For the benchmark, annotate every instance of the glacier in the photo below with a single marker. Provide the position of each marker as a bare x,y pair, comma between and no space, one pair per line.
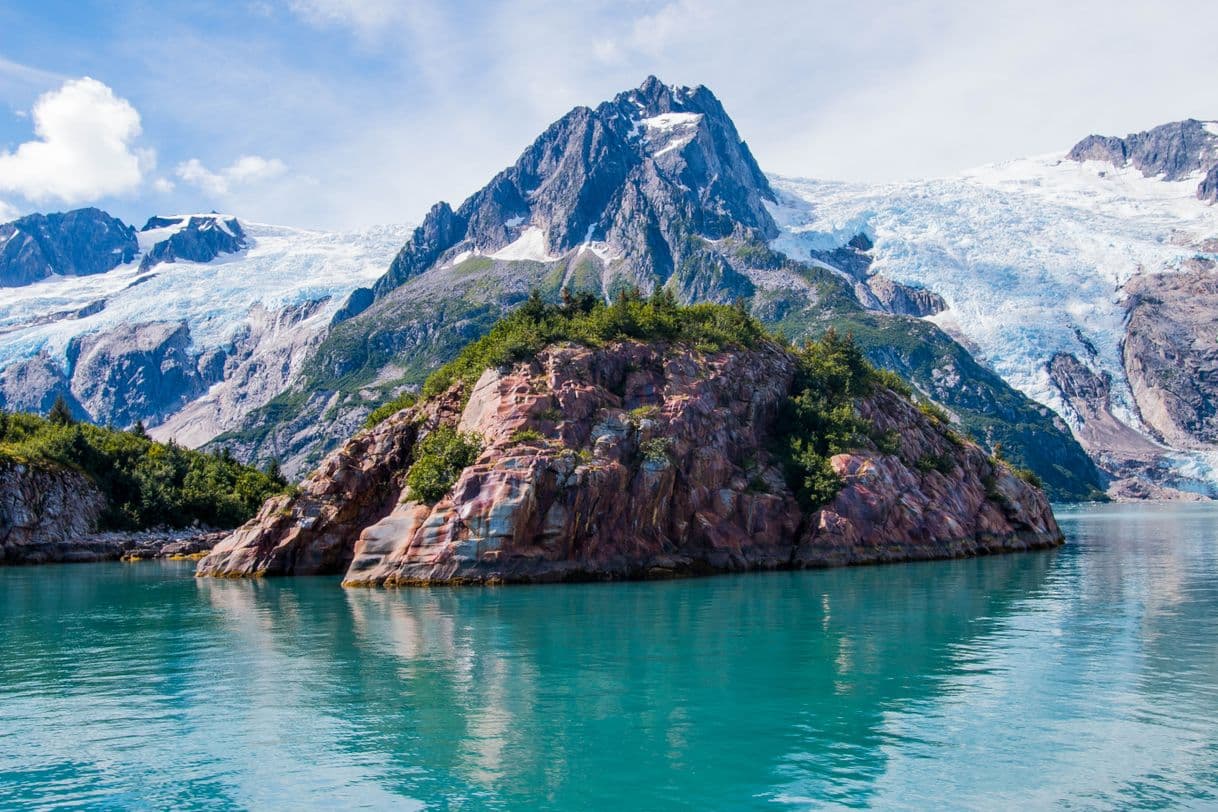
282,267
1030,256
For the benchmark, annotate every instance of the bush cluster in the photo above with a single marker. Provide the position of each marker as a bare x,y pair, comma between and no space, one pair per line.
146,484
819,420
584,319
389,408
440,458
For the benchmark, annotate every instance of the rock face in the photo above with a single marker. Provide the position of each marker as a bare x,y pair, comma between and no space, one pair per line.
138,372
1173,151
633,461
1208,190
194,238
903,300
75,243
1171,353
44,506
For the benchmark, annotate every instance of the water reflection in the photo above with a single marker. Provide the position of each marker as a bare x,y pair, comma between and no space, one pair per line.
1084,676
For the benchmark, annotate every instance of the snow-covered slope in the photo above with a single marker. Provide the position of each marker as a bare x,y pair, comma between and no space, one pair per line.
1034,259
243,320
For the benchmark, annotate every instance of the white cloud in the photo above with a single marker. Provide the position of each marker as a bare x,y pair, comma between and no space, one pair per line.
163,185
85,147
245,170
8,212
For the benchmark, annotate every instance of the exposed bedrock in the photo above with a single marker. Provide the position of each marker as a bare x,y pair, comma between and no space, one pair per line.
634,461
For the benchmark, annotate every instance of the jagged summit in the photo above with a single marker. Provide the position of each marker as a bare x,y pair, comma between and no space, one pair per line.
629,181
1173,151
82,242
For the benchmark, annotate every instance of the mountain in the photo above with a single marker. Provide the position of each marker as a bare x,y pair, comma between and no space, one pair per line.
653,189
1086,279
1182,150
77,243
185,325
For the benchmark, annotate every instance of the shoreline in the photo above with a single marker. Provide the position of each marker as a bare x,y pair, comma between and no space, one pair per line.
140,545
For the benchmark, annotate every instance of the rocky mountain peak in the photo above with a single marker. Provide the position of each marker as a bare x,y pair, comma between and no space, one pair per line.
81,242
1172,151
637,177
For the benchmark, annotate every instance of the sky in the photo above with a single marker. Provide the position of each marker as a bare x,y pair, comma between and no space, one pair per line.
342,114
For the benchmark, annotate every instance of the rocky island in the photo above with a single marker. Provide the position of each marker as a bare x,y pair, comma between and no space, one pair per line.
641,440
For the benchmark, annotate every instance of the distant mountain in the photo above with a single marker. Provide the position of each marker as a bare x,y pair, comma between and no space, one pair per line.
652,189
193,238
77,243
185,325
1182,150
635,187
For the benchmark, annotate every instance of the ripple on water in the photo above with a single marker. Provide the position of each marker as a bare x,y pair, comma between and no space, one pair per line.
1083,677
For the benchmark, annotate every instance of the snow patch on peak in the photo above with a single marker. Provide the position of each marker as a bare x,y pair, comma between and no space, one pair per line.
670,121
151,236
668,132
512,222
1211,127
529,246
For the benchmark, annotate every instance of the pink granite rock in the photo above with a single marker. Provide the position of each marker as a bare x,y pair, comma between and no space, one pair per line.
654,461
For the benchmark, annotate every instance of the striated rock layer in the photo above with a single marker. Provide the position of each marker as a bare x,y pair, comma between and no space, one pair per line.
43,506
634,461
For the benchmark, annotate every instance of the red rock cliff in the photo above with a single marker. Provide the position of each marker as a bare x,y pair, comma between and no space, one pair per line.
652,462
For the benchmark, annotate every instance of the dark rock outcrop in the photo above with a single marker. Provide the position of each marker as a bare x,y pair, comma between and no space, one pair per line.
1208,190
198,238
634,461
75,243
903,300
1171,151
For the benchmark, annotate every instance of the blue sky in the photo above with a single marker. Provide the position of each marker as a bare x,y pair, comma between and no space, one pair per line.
345,113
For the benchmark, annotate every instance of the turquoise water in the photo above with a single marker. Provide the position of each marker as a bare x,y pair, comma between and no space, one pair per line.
1080,678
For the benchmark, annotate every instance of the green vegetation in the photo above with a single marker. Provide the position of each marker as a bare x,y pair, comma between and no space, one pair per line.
527,436
439,460
819,420
935,462
390,408
146,484
935,412
987,408
583,319
656,449
1029,477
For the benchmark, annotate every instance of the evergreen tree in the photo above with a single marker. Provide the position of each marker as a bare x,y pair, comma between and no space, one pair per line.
275,473
139,431
60,414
